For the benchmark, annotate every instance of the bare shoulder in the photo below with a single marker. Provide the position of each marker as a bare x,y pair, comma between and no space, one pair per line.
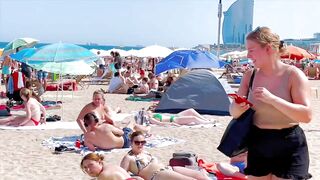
244,86
113,173
296,75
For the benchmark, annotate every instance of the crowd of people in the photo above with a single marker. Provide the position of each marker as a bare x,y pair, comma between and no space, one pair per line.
280,98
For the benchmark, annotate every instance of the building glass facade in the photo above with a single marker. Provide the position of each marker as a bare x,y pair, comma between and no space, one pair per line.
237,22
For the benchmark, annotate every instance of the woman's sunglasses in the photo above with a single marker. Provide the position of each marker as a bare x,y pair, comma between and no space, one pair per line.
140,142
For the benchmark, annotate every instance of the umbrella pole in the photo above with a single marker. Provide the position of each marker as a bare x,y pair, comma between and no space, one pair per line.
61,91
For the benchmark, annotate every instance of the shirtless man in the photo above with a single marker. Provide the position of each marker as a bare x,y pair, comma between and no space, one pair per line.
98,107
106,136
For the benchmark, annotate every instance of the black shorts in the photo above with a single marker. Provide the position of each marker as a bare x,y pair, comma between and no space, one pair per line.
126,137
283,153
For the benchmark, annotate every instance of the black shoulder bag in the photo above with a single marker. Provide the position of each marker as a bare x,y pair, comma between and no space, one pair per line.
235,137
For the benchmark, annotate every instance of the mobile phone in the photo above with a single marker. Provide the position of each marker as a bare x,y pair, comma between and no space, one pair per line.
239,99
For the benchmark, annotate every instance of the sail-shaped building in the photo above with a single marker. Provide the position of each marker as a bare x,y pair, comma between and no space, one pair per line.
237,22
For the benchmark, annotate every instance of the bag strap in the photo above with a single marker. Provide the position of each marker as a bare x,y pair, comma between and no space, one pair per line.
251,81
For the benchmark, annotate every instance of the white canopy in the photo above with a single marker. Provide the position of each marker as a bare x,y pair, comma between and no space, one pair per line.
154,51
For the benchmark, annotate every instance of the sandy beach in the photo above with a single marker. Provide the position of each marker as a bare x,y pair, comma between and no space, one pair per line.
24,157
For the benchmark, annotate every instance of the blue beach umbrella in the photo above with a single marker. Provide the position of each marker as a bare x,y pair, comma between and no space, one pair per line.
317,61
21,55
188,59
60,52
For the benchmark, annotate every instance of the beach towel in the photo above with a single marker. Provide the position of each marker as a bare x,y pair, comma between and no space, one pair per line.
134,98
69,142
46,104
48,125
212,168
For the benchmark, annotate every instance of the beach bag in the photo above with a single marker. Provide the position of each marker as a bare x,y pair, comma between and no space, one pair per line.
235,138
184,159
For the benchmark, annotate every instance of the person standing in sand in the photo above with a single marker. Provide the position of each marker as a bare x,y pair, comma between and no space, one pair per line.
106,136
99,107
93,165
280,94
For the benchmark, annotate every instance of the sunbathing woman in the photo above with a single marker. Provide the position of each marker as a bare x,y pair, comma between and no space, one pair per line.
143,164
186,117
93,165
99,107
35,112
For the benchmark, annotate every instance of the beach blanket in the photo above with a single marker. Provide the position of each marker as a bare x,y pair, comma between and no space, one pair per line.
134,98
48,125
117,117
69,142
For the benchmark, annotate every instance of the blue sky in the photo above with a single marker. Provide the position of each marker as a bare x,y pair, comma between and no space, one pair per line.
183,23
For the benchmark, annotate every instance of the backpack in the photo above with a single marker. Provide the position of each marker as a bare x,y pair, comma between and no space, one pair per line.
184,159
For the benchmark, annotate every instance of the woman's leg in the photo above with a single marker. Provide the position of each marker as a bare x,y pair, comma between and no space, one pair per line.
6,121
191,173
185,120
191,112
168,174
16,121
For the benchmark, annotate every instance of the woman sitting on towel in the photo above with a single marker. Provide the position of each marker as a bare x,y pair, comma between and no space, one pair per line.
143,164
99,107
93,165
186,117
35,112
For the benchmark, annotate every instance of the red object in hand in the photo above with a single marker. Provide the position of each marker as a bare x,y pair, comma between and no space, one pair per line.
78,143
239,99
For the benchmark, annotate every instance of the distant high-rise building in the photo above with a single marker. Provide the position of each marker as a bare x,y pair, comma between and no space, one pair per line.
237,22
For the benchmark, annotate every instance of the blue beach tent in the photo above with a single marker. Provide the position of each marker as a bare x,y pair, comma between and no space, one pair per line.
199,89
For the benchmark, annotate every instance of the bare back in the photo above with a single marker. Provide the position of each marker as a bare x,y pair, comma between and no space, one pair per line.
103,137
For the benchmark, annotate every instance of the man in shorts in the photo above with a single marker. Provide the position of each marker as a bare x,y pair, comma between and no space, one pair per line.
107,136
42,77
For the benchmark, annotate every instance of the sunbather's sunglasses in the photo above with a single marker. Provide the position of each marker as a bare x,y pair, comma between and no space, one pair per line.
140,142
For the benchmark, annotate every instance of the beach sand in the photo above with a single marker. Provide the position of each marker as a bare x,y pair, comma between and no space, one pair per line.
23,157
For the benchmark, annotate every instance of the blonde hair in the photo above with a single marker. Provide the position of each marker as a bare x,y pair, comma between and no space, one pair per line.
93,157
264,36
26,92
99,92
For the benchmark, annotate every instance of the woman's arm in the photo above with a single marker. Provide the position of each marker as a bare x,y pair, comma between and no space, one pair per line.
125,163
236,109
43,113
28,110
80,119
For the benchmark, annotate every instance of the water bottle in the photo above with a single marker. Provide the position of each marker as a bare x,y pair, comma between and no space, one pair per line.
141,117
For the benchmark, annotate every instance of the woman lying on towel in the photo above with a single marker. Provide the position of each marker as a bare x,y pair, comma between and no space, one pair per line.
35,112
99,107
186,117
143,164
93,165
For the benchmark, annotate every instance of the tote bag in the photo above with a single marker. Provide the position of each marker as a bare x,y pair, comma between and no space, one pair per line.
235,137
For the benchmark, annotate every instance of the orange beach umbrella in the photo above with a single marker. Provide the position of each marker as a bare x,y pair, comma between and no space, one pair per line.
297,53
